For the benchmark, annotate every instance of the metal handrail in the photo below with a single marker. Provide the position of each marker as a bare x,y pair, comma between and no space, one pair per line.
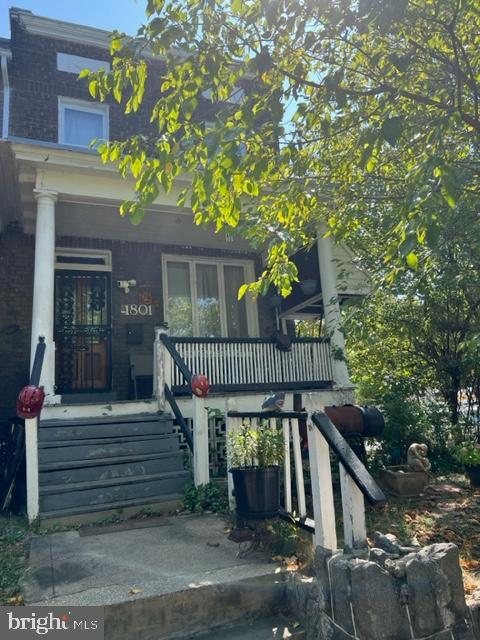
38,361
182,423
353,466
177,358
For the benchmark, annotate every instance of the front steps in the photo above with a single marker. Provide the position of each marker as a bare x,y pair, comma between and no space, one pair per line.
89,465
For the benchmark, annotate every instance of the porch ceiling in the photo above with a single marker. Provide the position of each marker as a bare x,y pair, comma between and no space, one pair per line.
92,220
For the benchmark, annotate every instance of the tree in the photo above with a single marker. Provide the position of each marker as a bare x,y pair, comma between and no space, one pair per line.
363,114
423,335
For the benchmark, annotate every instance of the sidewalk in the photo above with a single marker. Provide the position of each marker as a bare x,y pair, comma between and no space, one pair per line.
176,554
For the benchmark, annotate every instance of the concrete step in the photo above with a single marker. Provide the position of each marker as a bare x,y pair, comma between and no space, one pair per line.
213,605
70,471
114,490
276,628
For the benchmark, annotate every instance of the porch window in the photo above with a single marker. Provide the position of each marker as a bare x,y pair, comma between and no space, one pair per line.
81,122
201,298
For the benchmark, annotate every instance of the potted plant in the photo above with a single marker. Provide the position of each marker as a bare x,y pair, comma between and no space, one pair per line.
468,453
255,455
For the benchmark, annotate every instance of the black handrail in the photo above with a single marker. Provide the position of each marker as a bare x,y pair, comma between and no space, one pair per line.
177,358
182,423
354,467
196,340
38,362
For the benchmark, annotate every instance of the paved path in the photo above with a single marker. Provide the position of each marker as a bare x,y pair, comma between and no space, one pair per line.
179,553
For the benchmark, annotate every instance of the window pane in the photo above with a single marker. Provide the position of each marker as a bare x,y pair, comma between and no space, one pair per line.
237,324
179,310
81,127
208,303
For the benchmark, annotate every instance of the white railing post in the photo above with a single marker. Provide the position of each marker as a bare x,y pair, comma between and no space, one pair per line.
31,448
322,488
297,456
201,468
160,357
286,465
231,424
353,508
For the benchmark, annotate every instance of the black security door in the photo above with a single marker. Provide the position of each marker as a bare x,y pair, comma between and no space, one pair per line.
83,331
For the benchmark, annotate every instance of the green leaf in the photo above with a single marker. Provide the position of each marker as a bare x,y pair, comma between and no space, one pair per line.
412,260
242,291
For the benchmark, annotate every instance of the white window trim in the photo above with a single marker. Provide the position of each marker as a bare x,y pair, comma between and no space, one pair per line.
250,304
69,63
73,253
81,105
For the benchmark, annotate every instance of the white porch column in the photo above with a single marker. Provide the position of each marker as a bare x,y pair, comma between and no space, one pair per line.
43,289
333,319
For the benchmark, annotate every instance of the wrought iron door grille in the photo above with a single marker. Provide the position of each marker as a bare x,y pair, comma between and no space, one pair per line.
83,331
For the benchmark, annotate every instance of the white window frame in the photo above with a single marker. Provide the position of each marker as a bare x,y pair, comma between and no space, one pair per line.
72,253
87,107
219,263
69,63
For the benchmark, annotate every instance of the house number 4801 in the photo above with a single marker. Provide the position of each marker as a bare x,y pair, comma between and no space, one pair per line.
136,309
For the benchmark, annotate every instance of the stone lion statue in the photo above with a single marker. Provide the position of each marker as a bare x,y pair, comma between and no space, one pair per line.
417,457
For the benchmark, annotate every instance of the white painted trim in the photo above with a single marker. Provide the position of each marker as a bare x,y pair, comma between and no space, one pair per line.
51,28
249,271
99,410
69,63
70,252
201,469
87,107
6,97
31,453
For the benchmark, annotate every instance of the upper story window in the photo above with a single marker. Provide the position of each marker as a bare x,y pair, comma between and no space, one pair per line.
74,64
80,122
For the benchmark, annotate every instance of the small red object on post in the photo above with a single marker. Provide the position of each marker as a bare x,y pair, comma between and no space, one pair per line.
30,401
200,385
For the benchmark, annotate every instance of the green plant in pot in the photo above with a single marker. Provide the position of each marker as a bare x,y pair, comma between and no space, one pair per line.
468,453
255,455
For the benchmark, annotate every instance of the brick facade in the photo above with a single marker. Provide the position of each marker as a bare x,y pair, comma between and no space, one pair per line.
36,83
16,281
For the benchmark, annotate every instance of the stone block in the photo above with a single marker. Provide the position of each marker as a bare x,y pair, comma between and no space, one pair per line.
376,599
341,592
435,589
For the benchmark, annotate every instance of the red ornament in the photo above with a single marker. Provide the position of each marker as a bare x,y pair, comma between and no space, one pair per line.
30,401
200,385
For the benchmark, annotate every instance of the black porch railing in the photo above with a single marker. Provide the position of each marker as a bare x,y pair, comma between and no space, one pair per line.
251,364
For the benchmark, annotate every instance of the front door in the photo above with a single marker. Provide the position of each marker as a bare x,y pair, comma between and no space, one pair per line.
82,331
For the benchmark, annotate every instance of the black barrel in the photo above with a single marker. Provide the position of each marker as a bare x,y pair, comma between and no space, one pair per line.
353,420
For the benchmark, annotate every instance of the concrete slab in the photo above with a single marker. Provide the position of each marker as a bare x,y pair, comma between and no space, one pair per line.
180,553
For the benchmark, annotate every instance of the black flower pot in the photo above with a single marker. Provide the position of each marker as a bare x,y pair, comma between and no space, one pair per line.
473,472
257,492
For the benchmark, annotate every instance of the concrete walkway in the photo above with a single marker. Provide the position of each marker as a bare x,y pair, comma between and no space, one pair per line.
116,566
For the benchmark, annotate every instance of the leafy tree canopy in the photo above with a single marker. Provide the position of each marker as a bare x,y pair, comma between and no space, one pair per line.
362,114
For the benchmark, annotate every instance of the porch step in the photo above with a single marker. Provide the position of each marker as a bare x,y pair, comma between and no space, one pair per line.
99,492
105,468
110,508
97,464
106,447
108,427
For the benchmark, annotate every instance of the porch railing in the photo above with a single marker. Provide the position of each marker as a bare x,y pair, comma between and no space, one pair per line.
356,484
248,364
